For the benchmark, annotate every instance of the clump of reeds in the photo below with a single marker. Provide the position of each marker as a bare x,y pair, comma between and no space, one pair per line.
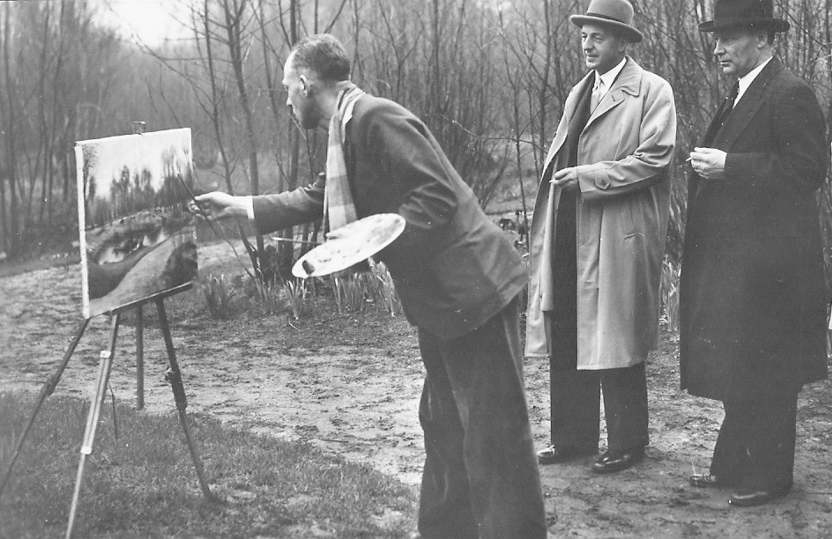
271,297
670,295
384,290
297,292
218,293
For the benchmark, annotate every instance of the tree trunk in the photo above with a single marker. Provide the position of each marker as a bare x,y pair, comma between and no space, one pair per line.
233,20
13,242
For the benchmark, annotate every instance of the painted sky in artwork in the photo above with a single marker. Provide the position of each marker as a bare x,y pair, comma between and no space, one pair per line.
124,151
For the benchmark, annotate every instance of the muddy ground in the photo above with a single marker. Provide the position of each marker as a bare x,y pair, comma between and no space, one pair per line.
350,385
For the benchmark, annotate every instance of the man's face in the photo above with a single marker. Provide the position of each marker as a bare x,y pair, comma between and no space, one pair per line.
301,103
738,50
603,50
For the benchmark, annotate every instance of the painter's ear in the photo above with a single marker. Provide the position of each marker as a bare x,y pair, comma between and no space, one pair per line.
305,85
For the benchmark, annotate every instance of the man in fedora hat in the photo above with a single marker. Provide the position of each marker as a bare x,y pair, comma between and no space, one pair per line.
597,245
753,297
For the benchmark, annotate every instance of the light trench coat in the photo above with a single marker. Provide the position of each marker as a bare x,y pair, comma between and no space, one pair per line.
624,160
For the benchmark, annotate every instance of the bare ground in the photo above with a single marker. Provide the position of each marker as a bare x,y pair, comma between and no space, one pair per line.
350,385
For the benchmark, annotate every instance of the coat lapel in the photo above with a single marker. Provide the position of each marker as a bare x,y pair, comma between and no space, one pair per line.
714,125
569,109
747,107
628,81
737,120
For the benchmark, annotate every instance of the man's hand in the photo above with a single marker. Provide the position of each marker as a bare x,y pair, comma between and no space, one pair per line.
709,163
565,178
219,206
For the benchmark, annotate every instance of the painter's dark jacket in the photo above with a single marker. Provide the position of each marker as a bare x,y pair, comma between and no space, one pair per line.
453,268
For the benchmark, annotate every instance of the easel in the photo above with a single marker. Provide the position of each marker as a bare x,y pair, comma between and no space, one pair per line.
104,367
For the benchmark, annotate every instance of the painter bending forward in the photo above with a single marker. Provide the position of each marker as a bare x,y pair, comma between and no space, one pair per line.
458,277
598,238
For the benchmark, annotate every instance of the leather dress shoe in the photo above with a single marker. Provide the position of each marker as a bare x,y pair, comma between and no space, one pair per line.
750,498
614,461
706,480
554,454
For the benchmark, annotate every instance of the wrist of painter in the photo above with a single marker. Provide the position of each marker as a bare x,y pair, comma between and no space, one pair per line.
223,206
235,206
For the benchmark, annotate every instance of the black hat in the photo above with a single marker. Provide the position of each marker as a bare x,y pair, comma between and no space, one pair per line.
744,13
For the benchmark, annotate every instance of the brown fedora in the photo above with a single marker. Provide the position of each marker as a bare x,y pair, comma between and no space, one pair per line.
617,14
744,13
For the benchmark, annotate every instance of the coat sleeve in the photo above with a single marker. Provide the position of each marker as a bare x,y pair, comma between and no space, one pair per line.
649,162
275,212
798,160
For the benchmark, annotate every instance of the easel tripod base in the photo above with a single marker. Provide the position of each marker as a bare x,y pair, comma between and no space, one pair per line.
174,376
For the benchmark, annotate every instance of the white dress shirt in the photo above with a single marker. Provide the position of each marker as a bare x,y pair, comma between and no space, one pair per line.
604,82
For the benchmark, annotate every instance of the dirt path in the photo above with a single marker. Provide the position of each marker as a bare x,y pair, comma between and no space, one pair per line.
351,385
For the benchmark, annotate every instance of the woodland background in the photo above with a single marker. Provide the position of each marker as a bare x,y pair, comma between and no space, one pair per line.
488,77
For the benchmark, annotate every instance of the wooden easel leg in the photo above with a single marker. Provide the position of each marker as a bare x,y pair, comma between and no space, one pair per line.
174,376
47,389
139,358
104,367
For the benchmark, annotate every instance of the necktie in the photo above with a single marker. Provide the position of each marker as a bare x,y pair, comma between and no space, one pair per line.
721,115
596,94
729,101
732,95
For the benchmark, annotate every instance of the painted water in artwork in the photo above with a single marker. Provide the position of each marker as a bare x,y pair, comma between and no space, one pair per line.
137,238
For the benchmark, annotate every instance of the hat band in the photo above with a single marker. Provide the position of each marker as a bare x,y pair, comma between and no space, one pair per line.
607,17
741,21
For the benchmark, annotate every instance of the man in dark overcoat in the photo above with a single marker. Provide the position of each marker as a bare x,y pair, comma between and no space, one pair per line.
457,275
753,295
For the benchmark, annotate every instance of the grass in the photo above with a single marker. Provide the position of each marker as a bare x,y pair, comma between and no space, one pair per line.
143,484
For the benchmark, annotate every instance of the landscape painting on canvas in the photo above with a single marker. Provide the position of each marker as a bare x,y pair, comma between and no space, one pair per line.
137,237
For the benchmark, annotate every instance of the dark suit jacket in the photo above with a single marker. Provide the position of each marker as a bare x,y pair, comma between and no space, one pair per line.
453,268
753,298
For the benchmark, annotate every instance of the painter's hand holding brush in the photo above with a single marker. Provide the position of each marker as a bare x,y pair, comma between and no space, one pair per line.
218,205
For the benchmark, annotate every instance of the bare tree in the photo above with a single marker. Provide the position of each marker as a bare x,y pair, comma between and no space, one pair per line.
48,81
489,82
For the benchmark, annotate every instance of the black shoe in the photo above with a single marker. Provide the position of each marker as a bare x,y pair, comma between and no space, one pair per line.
706,480
750,498
554,455
614,461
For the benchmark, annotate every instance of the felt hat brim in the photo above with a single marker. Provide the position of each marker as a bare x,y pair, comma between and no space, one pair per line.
775,25
631,33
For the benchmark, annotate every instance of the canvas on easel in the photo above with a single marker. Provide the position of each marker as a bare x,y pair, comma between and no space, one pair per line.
137,246
136,237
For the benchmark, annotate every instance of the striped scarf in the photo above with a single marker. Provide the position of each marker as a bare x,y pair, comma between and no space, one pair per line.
339,208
